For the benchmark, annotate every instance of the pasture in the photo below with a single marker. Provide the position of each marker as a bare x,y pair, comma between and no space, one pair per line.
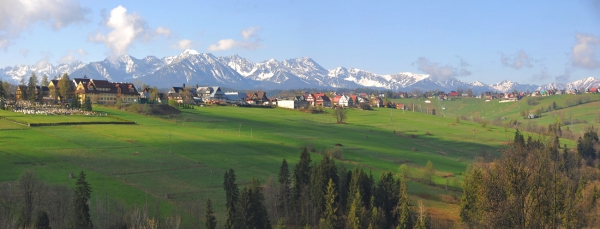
186,156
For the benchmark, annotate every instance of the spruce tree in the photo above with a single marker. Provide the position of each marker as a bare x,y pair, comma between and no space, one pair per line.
330,219
45,81
284,188
42,222
65,86
31,96
470,202
251,207
354,214
280,224
386,197
232,194
81,209
88,104
210,221
2,90
404,217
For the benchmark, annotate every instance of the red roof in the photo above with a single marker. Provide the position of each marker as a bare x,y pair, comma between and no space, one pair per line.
337,99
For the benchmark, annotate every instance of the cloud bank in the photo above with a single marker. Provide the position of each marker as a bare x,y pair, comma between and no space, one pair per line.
439,72
251,41
125,28
586,53
16,16
516,61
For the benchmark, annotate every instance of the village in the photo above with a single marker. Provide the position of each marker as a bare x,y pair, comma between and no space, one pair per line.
85,90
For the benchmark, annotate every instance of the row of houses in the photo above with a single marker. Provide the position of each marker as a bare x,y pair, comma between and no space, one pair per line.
99,91
322,100
214,94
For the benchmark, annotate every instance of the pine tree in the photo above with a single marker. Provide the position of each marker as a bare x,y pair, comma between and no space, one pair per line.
45,81
210,221
31,96
404,217
65,87
251,207
88,104
42,222
81,209
284,188
386,197
302,173
354,213
330,219
232,194
75,102
2,90
471,201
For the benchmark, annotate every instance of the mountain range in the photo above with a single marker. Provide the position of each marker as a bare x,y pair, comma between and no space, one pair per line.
192,67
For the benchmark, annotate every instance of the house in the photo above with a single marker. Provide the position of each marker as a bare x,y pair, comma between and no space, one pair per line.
210,93
183,94
336,100
236,97
105,92
258,97
322,100
345,101
362,100
377,102
593,90
453,94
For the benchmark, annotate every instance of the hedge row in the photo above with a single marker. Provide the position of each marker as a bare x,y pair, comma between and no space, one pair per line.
76,123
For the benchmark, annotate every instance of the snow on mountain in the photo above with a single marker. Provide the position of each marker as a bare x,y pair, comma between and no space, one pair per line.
23,72
582,84
191,67
509,86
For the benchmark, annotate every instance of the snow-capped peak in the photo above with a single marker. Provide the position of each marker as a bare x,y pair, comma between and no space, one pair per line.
190,52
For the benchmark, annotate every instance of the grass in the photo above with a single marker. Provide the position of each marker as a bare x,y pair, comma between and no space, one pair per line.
187,156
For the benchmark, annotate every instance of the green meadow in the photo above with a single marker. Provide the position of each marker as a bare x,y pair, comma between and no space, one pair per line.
187,156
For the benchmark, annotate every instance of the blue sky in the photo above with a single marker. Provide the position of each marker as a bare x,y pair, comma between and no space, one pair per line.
526,41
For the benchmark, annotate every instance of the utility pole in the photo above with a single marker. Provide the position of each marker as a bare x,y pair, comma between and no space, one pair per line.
391,115
239,130
170,151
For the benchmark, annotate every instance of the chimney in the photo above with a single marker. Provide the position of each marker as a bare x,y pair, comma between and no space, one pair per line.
184,86
196,86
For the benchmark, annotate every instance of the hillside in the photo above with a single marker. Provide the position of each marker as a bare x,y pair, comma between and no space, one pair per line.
186,157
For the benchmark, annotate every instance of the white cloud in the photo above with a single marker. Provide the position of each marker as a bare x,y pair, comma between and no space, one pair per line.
439,72
163,31
586,53
516,61
72,56
125,29
17,16
183,44
250,32
81,52
251,41
222,45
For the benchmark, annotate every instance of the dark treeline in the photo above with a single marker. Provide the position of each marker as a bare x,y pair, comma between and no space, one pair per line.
30,203
535,185
323,195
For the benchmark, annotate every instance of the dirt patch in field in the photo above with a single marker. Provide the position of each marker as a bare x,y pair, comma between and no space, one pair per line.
163,110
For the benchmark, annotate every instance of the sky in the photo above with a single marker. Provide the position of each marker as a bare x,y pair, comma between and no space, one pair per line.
533,42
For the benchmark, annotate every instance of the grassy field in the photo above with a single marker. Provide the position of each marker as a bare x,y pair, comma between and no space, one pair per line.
187,156
472,107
